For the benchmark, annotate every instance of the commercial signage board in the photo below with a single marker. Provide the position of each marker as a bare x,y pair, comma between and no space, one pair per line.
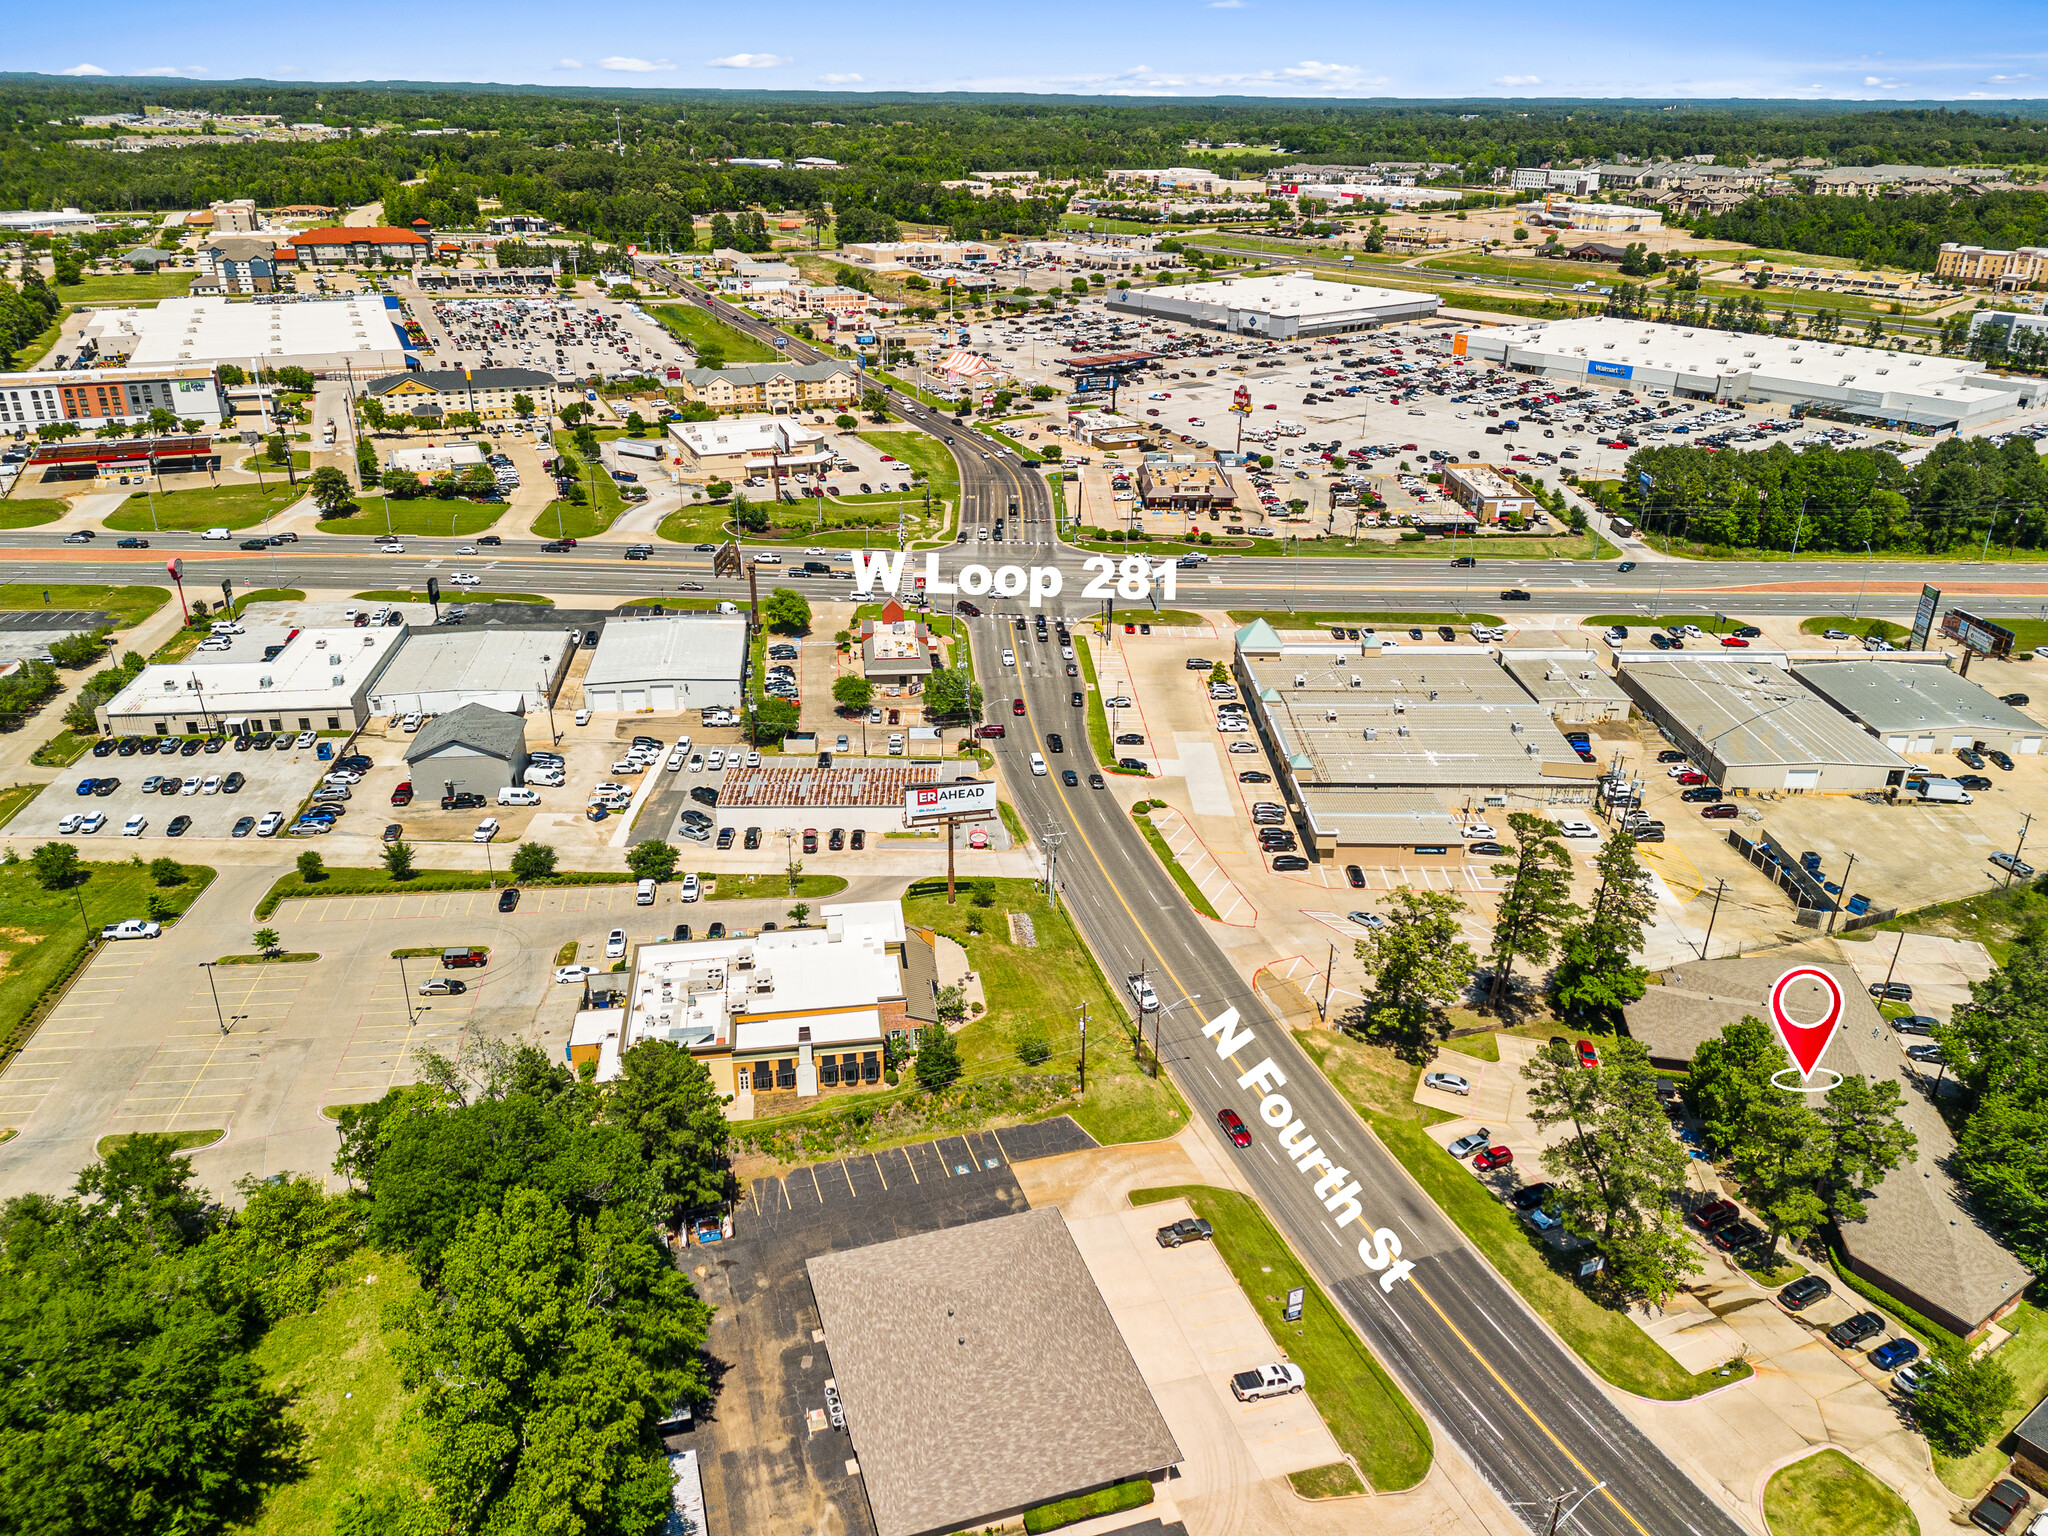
1295,1298
1980,635
1610,370
975,801
1923,617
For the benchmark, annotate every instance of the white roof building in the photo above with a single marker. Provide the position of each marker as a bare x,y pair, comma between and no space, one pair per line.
439,670
1707,364
748,443
322,335
319,681
669,662
1285,305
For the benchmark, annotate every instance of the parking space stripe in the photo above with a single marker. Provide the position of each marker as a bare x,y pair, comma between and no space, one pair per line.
878,1170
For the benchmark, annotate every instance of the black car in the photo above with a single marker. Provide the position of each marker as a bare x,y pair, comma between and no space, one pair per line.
191,747
103,787
1864,1325
682,933
489,538
752,838
104,747
1892,991
1670,755
725,837
1515,595
715,931
1626,566
1077,699
1445,632
179,826
1134,764
1254,776
508,899
244,827
215,743
1749,632
130,745
1703,794
1095,781
461,800
1738,1235
1973,781
1975,760
1804,1292
1530,1196
1999,758
232,784
704,794
2014,699
1488,850
1130,739
1070,778
255,543
1053,742
1290,862
1355,876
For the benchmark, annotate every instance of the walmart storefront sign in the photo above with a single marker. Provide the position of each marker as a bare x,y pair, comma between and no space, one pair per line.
1610,370
1132,579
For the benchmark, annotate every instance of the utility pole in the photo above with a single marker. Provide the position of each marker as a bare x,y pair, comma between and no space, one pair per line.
1837,907
1896,948
1327,973
1084,1048
2016,852
1052,842
1720,886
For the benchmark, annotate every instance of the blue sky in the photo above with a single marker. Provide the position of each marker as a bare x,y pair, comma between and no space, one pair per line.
1884,50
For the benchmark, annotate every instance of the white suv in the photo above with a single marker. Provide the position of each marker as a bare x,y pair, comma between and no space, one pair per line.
1267,1381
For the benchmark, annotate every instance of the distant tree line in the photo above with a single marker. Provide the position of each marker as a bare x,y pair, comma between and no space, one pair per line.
1893,232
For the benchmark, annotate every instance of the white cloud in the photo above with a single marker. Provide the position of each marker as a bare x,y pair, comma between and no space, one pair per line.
1884,85
182,71
568,63
2006,79
635,66
751,61
840,80
83,69
1518,80
1225,5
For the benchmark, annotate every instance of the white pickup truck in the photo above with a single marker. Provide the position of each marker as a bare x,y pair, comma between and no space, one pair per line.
1142,993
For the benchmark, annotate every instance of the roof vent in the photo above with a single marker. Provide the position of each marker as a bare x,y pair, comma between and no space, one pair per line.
1371,734
263,682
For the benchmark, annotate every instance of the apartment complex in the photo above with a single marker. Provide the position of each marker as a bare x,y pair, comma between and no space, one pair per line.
1977,266
336,246
488,392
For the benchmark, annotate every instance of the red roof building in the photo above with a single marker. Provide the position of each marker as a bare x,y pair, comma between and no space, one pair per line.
360,245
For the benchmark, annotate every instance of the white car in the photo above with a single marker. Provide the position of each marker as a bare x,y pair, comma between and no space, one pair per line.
1121,701
1009,658
464,579
1244,746
191,786
1367,919
391,549
1037,766
211,786
714,761
228,627
467,549
1066,653
1142,993
69,824
305,739
218,533
271,821
1576,829
583,717
1267,1381
615,944
133,826
92,821
569,975
696,762
691,890
675,761
485,830
753,758
1479,832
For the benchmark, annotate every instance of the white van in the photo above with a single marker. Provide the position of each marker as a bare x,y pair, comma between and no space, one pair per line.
518,797
643,894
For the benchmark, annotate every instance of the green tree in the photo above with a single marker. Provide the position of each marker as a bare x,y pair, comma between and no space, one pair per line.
287,1241
312,868
665,1100
1864,1141
1619,1173
652,860
266,941
938,1058
533,861
522,405
166,871
1962,1405
774,719
799,914
1597,975
57,866
852,692
1535,904
1419,967
787,610
330,489
951,693
844,422
398,860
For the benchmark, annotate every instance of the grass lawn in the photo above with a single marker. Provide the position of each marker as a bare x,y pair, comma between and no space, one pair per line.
698,328
1827,1494
1884,629
1332,1482
2025,1354
13,798
268,595
345,1394
42,934
129,288
62,749
28,513
1381,1087
125,607
1181,877
601,506
1034,992
1279,618
423,517
925,454
34,353
376,882
181,1141
302,461
1367,1413
753,887
224,506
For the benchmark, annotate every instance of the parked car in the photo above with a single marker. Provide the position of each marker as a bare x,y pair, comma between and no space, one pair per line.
1997,1510
1492,1158
1715,1213
2012,862
1267,1381
442,986
1897,1352
1804,1292
1465,1146
1891,991
1854,1330
1531,1196
1190,1229
1447,1082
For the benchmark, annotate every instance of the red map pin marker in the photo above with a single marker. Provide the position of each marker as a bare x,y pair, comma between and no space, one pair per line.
1806,1042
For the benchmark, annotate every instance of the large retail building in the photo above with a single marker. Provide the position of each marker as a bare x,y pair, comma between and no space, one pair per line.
1286,305
356,332
1701,364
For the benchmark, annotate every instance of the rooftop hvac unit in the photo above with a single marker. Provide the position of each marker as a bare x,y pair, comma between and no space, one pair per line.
319,645
1432,695
170,685
1329,715
1403,730
1400,706
340,681
1357,681
1515,726
1301,679
263,682
1371,734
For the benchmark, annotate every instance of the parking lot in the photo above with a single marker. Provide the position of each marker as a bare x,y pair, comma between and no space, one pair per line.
274,781
573,339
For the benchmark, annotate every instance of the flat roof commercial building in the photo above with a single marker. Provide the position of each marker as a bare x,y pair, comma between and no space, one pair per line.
474,749
946,1344
1489,494
1182,484
733,448
1286,305
1575,686
1706,364
676,661
1752,726
441,669
320,681
894,650
321,335
92,397
1921,706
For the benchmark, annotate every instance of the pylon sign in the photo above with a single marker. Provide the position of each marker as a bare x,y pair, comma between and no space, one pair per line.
1242,399
1805,1041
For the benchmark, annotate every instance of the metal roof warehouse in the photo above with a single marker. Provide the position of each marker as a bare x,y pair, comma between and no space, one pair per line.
1752,726
1920,705
1285,305
686,661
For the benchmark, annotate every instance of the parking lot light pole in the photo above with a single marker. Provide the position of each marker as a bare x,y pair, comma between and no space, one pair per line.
2016,851
207,966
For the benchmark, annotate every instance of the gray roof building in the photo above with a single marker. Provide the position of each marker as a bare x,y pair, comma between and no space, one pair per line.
982,1374
1919,1240
1920,705
674,661
1752,726
482,750
440,669
1389,823
1574,685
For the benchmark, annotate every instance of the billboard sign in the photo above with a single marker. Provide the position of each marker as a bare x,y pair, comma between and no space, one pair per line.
1923,617
1601,370
1980,635
974,801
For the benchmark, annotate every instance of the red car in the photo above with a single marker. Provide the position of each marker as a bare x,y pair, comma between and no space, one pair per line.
403,794
1588,1057
1736,641
1491,1158
1016,706
989,730
1233,1127
1692,778
1725,811
1717,1213
810,839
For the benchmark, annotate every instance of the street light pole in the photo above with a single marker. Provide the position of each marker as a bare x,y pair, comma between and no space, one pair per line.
221,1019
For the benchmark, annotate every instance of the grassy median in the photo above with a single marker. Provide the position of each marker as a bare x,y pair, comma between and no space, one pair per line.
1827,1494
1371,1419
